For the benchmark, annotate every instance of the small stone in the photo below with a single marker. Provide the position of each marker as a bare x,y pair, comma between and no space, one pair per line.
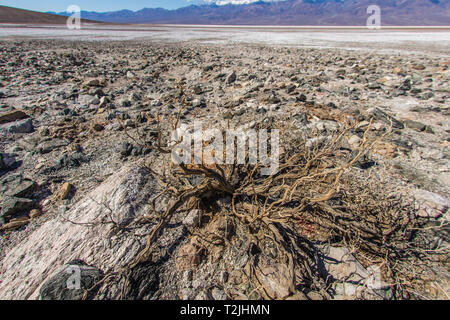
275,277
49,146
378,126
35,213
156,103
406,86
7,161
12,116
135,96
419,67
374,86
95,101
13,205
125,149
190,255
231,78
93,83
22,189
98,127
221,227
103,101
301,117
430,204
131,75
125,103
192,219
291,89
363,125
198,103
415,125
15,224
65,191
302,98
380,115
218,294
198,90
20,126
354,141
44,132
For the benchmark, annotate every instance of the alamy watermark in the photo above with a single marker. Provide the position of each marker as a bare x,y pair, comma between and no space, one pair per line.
74,280
217,147
74,20
374,20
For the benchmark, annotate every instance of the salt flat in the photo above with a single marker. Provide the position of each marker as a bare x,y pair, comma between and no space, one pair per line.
413,39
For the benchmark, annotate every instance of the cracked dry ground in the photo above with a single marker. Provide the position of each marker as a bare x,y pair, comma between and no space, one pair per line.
79,189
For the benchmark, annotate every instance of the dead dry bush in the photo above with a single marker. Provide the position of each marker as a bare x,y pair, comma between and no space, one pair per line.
317,196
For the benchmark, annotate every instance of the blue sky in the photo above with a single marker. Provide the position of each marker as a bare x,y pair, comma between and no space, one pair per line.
96,5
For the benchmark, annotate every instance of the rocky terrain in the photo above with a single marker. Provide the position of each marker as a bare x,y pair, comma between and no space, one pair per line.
84,183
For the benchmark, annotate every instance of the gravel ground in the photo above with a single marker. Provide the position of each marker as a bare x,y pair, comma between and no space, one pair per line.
70,101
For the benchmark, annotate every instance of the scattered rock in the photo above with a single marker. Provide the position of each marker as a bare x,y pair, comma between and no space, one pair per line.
192,219
190,255
34,213
98,127
20,126
337,85
71,282
65,191
430,204
222,228
231,78
12,116
351,279
103,102
13,205
25,187
125,149
380,115
49,146
411,124
131,75
354,141
7,161
93,83
276,278
14,224
2,164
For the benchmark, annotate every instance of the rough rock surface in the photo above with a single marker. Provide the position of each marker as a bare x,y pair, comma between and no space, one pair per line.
84,232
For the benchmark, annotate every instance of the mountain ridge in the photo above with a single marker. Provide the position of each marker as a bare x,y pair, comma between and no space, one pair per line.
288,12
15,15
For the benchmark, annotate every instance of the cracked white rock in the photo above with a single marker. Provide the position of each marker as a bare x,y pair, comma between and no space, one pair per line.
124,196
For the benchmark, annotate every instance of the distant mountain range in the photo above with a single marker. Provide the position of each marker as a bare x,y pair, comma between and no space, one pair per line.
290,12
13,15
282,13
